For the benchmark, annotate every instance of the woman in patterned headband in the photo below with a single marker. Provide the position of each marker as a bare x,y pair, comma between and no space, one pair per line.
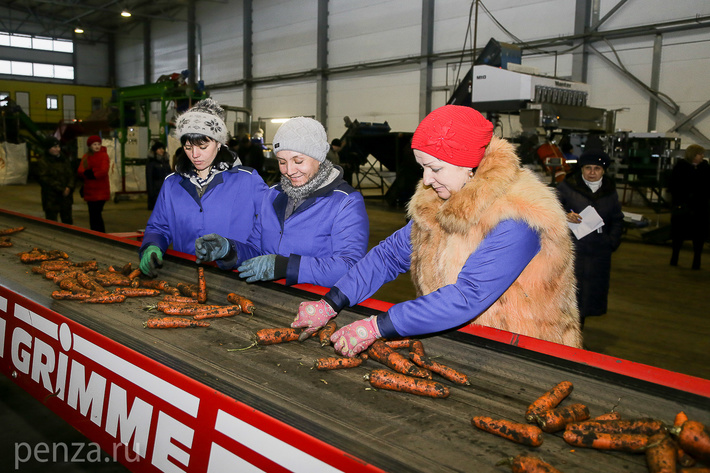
487,243
210,192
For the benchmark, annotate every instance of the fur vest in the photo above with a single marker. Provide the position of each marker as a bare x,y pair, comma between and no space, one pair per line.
541,303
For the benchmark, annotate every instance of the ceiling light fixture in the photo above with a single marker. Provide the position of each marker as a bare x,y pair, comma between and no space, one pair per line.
78,30
125,14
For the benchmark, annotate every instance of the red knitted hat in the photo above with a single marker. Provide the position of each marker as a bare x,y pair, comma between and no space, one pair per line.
93,139
455,134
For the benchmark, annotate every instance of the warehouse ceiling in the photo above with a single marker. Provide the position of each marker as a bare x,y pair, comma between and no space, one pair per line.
100,19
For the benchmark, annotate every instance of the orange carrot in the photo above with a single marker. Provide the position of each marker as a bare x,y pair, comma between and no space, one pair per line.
70,296
5,242
71,284
10,231
683,458
136,291
399,344
89,283
246,305
634,443
697,469
326,332
694,439
556,419
189,290
201,285
336,362
55,265
188,309
386,379
105,299
184,299
174,322
525,434
271,336
525,463
645,426
661,454
224,311
134,274
549,400
417,347
613,415
440,369
380,352
152,284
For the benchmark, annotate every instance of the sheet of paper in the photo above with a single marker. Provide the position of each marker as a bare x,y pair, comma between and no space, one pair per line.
591,221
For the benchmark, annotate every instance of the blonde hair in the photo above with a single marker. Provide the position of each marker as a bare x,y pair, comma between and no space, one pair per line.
692,151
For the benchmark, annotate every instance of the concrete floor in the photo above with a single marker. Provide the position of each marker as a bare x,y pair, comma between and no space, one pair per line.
658,314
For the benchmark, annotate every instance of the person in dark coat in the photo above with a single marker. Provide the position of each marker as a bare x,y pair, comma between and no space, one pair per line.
251,154
94,171
589,186
156,170
690,193
56,179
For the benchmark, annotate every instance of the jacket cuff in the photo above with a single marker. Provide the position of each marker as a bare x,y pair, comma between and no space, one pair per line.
292,269
336,299
385,326
230,259
281,266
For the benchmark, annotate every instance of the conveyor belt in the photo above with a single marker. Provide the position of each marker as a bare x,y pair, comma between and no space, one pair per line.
392,431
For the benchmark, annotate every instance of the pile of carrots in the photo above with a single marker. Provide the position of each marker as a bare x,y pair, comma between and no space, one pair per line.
411,373
666,449
5,241
87,283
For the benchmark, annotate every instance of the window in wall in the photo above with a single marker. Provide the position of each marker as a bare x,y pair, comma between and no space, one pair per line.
36,42
69,107
97,103
36,69
4,97
52,102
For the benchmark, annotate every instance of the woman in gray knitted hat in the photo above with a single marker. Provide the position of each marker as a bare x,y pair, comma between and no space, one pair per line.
312,226
208,192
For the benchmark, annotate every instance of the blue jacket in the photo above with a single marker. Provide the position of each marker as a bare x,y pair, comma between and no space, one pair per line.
324,237
228,207
512,244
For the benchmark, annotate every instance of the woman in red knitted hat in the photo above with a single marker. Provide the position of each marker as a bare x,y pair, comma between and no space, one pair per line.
93,170
487,243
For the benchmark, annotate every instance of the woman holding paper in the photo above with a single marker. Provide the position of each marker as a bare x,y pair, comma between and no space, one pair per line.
590,192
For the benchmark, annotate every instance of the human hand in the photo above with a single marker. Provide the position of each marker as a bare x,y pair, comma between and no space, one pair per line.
66,192
211,247
151,259
356,337
573,217
312,316
259,268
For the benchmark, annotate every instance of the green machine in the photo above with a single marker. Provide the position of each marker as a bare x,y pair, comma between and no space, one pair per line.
134,107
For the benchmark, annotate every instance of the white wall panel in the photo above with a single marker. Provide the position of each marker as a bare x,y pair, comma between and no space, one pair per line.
643,12
378,97
283,101
169,46
221,26
95,71
284,36
373,30
129,59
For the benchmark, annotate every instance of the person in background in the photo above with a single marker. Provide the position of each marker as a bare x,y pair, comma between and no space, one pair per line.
690,196
487,243
209,192
156,170
57,179
335,146
312,226
96,189
589,186
251,153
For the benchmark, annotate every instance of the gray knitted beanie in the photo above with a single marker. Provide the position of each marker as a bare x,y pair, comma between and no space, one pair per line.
303,135
206,117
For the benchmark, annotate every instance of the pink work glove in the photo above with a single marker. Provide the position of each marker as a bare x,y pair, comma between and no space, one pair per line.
356,337
312,316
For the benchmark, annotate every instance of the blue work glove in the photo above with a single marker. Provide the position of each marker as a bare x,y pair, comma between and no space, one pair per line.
151,259
211,248
312,316
356,337
259,268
